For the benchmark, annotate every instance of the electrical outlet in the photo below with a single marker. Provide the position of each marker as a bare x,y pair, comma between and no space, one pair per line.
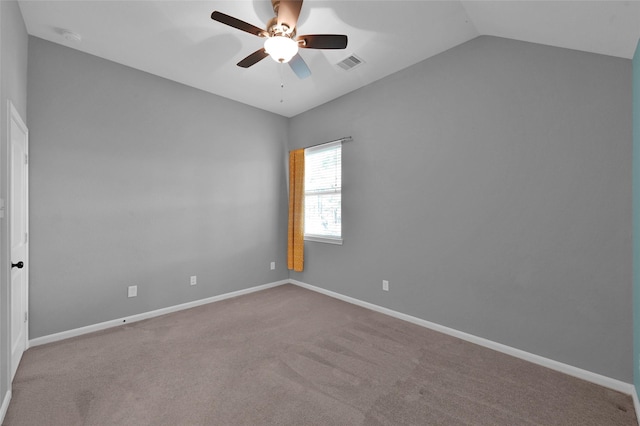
385,285
194,280
273,266
132,291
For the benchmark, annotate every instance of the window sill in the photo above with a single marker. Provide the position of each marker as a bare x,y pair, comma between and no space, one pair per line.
337,241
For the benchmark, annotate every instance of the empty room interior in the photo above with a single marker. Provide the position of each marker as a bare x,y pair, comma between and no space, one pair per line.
169,254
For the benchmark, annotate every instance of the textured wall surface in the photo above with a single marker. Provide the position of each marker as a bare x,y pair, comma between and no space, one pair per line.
137,180
491,185
636,218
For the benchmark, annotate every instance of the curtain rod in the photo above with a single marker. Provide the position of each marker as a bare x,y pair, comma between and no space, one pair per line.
344,139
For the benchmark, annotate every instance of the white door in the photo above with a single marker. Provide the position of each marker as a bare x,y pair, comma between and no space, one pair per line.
18,236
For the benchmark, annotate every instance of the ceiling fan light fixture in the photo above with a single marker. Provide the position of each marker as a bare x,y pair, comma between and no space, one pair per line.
281,48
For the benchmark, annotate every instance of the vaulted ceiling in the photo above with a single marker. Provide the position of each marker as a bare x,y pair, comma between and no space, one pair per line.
179,41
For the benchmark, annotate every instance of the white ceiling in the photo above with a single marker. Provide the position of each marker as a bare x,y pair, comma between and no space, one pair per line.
179,41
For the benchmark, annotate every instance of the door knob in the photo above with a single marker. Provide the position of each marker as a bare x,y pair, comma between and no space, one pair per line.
18,265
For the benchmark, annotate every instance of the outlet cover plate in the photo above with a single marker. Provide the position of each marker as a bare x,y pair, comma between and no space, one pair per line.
132,291
194,280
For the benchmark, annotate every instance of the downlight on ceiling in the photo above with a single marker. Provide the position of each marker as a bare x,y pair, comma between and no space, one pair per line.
281,48
71,36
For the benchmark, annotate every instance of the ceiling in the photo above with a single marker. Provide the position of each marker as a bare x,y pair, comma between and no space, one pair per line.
178,40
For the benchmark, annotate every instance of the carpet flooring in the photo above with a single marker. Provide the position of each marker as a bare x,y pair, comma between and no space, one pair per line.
290,356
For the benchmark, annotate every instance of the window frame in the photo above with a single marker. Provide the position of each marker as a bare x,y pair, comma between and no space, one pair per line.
325,238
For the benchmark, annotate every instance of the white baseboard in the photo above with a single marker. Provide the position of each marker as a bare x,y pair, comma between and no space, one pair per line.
145,315
589,376
5,405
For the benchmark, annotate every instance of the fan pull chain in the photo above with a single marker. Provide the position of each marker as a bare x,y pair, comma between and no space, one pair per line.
280,66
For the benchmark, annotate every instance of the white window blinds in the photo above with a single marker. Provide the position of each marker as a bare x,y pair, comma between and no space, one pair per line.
323,192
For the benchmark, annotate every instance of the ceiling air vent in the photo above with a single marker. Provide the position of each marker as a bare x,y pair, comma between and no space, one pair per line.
350,63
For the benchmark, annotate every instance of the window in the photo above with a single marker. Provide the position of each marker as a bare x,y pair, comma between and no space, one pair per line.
323,193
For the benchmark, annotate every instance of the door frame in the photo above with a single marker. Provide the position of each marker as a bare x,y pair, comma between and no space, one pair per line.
14,116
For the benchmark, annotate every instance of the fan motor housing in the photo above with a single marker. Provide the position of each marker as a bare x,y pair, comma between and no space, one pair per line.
276,5
279,30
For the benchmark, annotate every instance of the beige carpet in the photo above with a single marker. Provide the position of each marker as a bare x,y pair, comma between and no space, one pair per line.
289,356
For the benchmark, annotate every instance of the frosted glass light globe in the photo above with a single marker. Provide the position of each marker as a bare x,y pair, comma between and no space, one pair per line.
281,49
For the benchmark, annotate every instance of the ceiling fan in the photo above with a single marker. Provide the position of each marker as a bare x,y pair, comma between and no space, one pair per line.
281,42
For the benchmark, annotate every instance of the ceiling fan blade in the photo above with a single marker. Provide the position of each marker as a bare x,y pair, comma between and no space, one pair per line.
236,23
323,41
254,58
288,12
299,67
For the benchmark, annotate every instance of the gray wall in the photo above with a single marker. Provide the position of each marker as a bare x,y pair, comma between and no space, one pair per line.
491,185
139,180
13,87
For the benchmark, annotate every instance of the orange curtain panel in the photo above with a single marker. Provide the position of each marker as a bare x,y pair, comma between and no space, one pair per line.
295,250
